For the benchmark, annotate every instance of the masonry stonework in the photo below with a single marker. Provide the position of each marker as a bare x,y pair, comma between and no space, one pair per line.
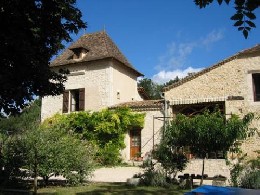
101,80
233,78
213,167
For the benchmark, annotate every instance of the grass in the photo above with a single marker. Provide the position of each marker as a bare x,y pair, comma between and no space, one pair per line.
105,189
109,188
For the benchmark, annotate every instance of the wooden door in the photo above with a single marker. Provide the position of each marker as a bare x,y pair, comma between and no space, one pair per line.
135,142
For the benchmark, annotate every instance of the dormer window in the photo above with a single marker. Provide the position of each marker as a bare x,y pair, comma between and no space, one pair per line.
78,52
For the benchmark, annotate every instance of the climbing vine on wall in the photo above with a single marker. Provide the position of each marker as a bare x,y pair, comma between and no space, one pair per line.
105,129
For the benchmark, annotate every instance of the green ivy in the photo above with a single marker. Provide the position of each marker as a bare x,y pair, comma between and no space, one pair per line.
105,129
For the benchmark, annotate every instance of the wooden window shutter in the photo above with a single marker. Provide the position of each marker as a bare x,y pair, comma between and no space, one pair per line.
81,99
65,105
254,87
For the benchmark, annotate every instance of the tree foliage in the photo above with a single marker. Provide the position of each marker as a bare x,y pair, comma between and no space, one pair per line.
206,133
32,31
244,16
105,129
151,88
47,152
154,89
29,117
172,159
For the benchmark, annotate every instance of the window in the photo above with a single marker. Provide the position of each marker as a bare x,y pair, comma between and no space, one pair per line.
256,86
78,53
73,100
118,95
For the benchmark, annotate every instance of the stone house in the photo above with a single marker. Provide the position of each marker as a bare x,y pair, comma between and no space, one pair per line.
233,84
101,77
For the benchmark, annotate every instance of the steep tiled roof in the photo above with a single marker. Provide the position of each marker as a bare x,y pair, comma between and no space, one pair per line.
143,93
141,105
99,46
243,53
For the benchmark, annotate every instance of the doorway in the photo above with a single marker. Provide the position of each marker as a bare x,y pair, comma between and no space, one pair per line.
135,143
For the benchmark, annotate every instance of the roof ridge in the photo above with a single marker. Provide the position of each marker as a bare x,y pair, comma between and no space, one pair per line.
99,45
105,39
216,65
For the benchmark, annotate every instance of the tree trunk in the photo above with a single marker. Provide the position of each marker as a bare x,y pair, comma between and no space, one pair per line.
35,182
46,180
202,174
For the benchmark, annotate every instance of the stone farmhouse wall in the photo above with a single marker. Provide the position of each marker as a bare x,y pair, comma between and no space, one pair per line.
213,167
124,82
102,81
233,78
151,126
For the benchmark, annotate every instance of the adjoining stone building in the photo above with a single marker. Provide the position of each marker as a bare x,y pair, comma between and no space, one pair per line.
233,84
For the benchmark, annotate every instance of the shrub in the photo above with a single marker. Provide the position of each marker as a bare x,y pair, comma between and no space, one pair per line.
251,180
105,129
235,173
109,155
153,176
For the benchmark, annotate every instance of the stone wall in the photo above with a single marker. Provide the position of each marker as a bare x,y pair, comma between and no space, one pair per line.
93,76
148,140
124,83
101,79
151,126
233,78
212,167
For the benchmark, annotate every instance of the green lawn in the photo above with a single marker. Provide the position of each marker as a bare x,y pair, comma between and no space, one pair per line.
109,188
106,189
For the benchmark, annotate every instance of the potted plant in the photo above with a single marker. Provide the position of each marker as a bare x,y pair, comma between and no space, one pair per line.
138,156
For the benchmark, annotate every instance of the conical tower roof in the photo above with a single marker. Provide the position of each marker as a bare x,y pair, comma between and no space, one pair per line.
98,46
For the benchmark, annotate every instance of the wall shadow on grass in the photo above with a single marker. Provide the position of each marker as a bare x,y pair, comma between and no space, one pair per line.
122,188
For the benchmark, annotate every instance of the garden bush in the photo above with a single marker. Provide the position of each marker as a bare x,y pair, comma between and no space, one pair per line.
251,180
105,129
153,176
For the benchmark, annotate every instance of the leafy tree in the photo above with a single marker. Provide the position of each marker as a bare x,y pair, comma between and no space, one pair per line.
171,159
47,152
30,116
207,133
244,16
154,89
12,127
151,88
170,82
32,31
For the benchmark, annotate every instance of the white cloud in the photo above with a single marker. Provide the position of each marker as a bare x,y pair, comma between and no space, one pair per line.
164,76
176,58
177,54
212,37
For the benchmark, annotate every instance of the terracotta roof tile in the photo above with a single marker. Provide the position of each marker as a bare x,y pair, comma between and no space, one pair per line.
137,105
143,93
99,46
243,53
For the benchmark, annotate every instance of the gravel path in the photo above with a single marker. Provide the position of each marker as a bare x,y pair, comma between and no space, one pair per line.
114,174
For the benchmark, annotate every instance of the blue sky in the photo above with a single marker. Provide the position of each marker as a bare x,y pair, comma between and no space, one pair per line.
166,38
